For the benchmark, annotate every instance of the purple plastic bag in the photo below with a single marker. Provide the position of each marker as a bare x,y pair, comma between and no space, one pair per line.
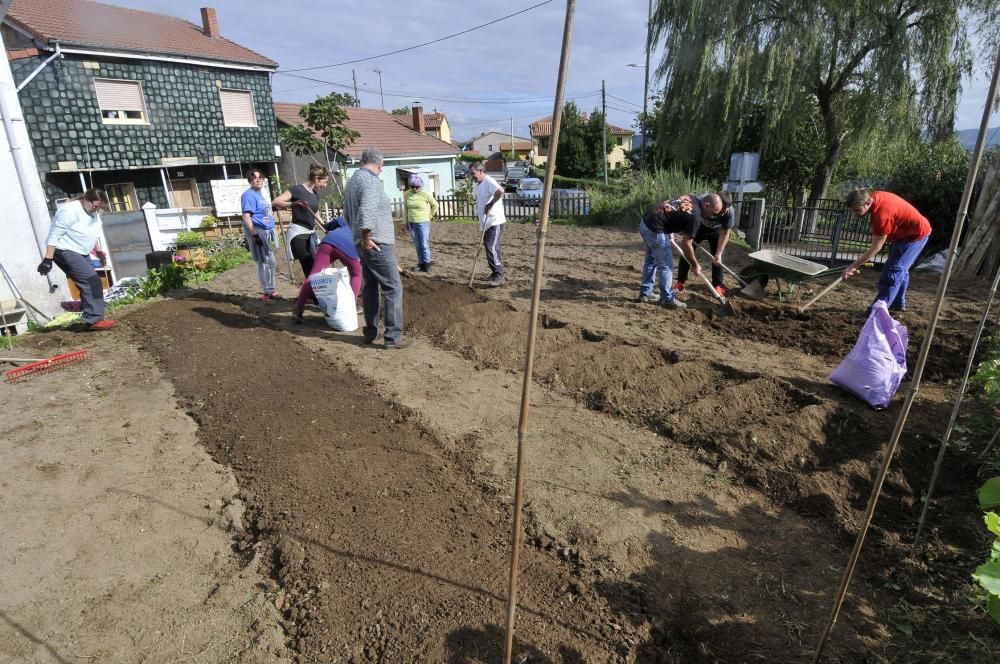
876,365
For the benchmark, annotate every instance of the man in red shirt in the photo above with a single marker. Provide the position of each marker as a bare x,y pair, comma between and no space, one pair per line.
895,220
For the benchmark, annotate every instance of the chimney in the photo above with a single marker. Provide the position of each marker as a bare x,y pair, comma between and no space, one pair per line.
418,117
210,25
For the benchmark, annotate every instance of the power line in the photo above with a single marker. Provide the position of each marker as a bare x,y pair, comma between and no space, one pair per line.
410,48
625,100
452,100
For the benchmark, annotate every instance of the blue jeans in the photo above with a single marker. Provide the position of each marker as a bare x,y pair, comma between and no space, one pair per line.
659,263
896,273
420,233
381,282
264,257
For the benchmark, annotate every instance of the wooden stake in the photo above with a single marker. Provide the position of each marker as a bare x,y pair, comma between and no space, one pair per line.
918,371
522,424
955,409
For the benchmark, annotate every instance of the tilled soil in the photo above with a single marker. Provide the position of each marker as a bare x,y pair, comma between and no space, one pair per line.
390,544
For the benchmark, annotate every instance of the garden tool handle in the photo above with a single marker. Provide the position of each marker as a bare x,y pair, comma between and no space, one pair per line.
723,266
708,282
833,284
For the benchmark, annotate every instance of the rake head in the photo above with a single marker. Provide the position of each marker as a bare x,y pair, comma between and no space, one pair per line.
44,366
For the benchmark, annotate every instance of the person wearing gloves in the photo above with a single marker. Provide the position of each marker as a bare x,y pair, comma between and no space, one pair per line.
258,227
489,210
75,233
421,206
303,199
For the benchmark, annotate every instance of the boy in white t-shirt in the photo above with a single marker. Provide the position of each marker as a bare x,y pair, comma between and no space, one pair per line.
489,210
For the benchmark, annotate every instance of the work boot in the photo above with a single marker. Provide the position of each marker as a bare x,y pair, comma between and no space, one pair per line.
402,344
496,280
427,267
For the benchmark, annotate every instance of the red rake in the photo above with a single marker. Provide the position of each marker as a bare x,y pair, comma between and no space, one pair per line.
41,366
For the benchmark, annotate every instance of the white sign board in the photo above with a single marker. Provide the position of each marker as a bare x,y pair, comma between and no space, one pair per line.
744,165
226,195
748,187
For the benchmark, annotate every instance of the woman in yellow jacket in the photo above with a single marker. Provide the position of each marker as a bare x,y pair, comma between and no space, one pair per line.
420,209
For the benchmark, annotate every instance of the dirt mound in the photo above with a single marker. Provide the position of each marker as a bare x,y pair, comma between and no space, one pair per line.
813,449
384,547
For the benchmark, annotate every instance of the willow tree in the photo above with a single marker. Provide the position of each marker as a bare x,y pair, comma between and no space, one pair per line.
862,64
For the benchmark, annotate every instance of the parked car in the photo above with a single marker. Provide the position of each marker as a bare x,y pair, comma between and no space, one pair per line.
513,176
529,192
461,170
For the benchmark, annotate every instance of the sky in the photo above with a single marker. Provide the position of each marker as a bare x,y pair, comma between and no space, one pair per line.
481,79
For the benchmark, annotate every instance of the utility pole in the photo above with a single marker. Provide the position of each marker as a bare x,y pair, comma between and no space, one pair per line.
357,99
604,132
381,96
645,88
513,153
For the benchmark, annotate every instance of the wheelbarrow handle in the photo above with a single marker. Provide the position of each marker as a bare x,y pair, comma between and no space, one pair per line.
833,284
723,266
711,288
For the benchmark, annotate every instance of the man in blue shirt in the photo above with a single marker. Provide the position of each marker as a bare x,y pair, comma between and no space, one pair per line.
258,227
75,232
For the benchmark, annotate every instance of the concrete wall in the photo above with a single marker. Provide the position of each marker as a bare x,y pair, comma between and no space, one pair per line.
19,250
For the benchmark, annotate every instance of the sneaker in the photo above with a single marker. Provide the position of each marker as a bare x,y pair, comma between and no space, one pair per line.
101,325
673,304
679,286
427,268
277,296
408,342
721,290
643,299
266,297
496,280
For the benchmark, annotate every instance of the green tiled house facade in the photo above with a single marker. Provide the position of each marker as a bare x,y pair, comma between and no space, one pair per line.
183,132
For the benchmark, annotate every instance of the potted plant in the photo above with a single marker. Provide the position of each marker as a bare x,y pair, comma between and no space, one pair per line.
209,227
185,242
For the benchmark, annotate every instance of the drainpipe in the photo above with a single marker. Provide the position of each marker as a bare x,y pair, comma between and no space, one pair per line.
39,222
39,68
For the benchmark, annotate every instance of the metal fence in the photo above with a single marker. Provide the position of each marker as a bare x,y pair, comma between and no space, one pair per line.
826,232
565,203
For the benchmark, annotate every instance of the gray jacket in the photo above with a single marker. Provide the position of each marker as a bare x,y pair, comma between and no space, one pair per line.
367,207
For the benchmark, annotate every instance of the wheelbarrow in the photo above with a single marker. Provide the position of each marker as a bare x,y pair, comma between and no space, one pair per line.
782,267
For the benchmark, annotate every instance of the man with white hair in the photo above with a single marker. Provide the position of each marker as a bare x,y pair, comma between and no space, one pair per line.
369,214
716,219
489,209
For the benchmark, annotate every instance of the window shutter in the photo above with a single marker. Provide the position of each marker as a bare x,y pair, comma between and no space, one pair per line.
119,95
237,108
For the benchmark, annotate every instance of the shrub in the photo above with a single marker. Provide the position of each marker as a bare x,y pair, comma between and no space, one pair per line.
470,157
208,222
625,201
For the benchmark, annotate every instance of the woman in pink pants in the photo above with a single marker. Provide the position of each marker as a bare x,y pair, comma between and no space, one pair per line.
338,244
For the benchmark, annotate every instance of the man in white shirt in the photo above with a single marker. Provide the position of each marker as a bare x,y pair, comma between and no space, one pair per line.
75,232
489,210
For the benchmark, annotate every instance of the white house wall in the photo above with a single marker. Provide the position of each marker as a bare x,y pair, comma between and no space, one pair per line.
442,167
19,251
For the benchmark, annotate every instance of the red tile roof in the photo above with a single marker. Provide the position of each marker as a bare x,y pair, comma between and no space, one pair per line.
543,127
524,146
389,133
97,25
22,53
431,120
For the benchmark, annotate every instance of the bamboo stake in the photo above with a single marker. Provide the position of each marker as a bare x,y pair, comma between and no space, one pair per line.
522,425
919,369
954,411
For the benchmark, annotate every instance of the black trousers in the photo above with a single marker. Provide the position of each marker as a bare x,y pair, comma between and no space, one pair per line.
712,235
78,268
302,251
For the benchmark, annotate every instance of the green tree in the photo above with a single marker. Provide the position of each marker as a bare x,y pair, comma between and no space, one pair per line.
402,110
574,159
325,128
859,65
598,149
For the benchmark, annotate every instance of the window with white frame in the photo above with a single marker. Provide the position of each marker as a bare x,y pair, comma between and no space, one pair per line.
619,140
121,197
237,108
121,102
